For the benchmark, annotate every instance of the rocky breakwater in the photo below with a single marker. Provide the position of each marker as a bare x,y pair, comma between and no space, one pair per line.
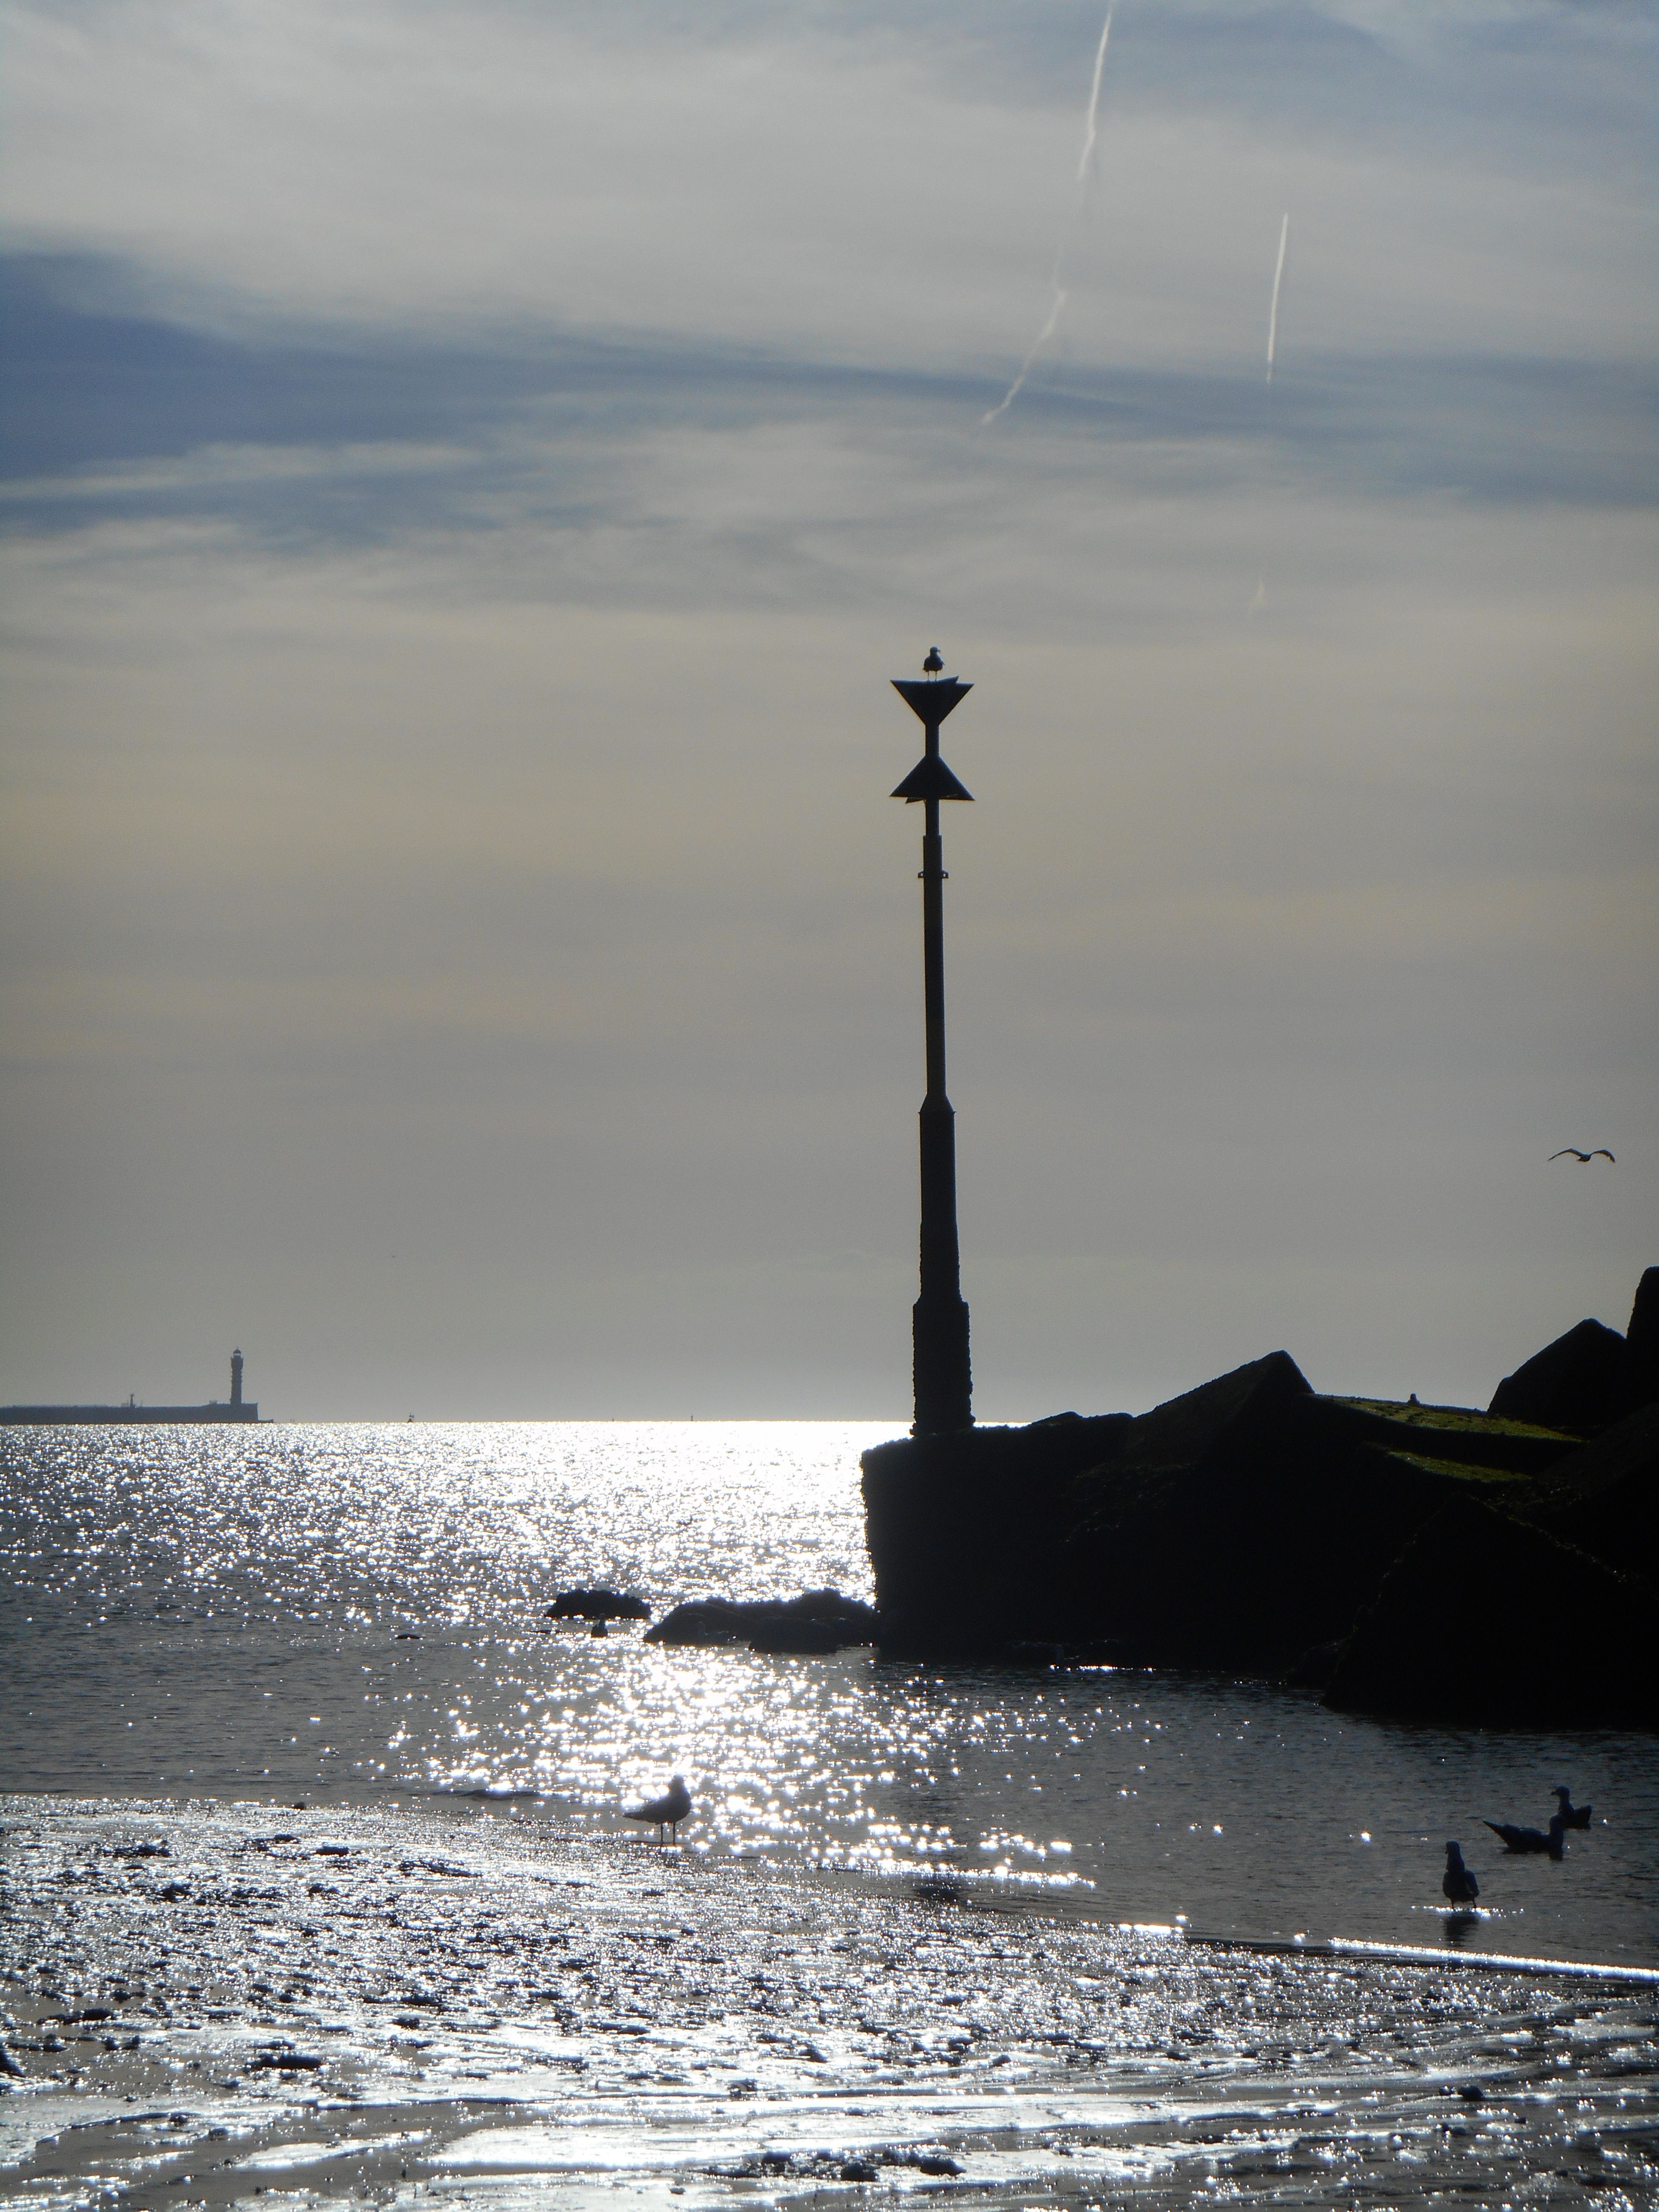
1488,1568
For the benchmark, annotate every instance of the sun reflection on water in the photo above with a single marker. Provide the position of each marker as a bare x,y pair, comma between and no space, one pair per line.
358,1610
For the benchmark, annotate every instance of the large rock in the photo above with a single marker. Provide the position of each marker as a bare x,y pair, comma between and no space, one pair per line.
1592,1376
1254,1527
963,1531
1567,1385
1246,1542
1241,1406
1604,1497
1635,1379
1203,1533
1486,1621
1235,1526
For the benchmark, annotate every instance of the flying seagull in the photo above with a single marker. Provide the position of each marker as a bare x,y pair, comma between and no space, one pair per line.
1572,1816
1571,1151
1532,1839
667,1811
1458,1881
933,665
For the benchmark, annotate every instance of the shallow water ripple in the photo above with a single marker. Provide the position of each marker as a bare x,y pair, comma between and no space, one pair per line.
205,2003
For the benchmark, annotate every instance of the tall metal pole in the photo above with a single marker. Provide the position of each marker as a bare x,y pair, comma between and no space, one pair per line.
942,1374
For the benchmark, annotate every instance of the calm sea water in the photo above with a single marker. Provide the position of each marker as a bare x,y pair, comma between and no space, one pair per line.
218,1613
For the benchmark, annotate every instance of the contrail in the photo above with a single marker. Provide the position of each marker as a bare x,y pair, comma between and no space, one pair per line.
1037,345
1273,313
1090,133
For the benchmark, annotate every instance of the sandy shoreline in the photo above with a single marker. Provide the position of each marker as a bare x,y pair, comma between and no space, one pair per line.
213,2002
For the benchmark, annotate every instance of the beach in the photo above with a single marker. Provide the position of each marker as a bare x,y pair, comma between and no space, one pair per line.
317,1884
214,2000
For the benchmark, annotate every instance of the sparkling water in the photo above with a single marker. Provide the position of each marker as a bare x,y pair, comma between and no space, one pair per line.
354,1614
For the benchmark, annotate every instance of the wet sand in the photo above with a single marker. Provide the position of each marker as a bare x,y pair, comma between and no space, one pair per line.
208,2003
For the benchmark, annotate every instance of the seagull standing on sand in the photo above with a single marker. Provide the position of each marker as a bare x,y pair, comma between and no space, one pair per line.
667,1811
1457,1881
1572,1816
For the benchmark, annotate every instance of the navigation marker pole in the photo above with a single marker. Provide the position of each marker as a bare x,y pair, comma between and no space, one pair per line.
943,1389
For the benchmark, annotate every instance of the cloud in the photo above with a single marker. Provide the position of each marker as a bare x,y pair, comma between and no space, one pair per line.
469,475
622,454
885,197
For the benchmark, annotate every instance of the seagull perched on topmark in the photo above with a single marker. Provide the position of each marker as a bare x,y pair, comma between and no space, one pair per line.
667,1811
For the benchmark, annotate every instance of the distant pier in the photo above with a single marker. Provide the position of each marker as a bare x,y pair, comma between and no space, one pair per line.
97,1417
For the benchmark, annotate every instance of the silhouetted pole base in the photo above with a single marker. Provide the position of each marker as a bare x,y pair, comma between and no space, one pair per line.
938,1334
944,1394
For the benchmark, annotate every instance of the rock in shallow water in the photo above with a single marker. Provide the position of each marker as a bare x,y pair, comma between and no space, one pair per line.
598,1605
821,1621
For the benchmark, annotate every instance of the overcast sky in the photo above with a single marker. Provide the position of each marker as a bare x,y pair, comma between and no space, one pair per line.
472,469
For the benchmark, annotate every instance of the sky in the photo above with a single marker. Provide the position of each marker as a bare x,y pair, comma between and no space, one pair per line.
470,473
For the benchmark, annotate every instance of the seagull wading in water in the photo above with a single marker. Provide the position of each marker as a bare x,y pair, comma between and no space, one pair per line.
1532,1839
1458,1883
667,1811
1572,1816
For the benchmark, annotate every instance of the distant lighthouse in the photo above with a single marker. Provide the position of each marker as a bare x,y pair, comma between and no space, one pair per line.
236,1379
938,1321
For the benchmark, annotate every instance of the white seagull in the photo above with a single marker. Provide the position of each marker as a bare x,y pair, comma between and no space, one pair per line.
667,1811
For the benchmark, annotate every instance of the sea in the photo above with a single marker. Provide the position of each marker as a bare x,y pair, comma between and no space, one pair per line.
297,1639
347,1611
